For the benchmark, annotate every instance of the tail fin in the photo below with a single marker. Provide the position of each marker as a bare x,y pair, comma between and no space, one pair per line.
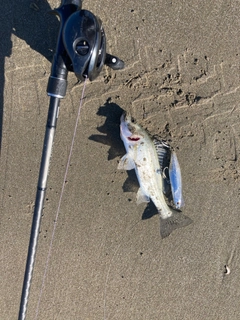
177,220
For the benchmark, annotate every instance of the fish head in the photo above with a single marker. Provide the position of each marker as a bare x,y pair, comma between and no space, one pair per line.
130,131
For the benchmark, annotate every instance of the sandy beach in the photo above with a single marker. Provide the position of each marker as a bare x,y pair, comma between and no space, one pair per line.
108,262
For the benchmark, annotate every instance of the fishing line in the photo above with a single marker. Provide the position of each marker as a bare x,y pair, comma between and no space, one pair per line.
60,200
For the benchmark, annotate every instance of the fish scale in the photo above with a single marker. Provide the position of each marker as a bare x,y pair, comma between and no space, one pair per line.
163,152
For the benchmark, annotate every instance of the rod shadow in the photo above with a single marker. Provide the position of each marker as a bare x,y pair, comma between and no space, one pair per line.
111,136
29,20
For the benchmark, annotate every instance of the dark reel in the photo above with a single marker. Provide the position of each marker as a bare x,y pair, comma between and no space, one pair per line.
81,47
85,43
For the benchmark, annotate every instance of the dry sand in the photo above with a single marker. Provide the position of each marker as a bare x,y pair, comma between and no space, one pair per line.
108,261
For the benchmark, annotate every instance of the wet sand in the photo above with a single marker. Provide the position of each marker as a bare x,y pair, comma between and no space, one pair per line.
181,82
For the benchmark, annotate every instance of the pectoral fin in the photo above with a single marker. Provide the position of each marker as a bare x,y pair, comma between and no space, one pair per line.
126,163
142,197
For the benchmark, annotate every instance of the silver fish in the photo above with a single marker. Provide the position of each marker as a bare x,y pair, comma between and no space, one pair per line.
142,156
176,181
171,172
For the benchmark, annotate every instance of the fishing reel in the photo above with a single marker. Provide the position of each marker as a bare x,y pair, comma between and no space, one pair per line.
81,47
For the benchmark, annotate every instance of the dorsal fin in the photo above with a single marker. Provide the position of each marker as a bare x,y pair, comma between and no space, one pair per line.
163,152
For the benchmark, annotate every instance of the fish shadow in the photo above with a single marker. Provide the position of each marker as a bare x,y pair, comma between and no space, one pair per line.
110,135
110,129
149,211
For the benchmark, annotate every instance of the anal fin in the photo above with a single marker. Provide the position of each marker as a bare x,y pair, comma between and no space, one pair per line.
142,197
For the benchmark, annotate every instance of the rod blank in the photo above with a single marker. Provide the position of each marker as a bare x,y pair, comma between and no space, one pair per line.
40,196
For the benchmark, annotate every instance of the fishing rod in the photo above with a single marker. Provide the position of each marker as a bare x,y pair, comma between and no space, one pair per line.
81,48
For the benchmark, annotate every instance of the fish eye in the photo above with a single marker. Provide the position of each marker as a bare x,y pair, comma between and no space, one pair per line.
133,120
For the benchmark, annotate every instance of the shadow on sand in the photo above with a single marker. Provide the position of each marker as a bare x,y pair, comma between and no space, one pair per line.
29,20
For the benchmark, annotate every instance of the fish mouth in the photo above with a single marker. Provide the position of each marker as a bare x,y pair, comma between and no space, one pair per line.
134,138
126,117
123,116
128,127
124,127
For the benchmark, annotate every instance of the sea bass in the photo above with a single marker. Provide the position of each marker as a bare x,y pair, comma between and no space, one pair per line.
142,156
